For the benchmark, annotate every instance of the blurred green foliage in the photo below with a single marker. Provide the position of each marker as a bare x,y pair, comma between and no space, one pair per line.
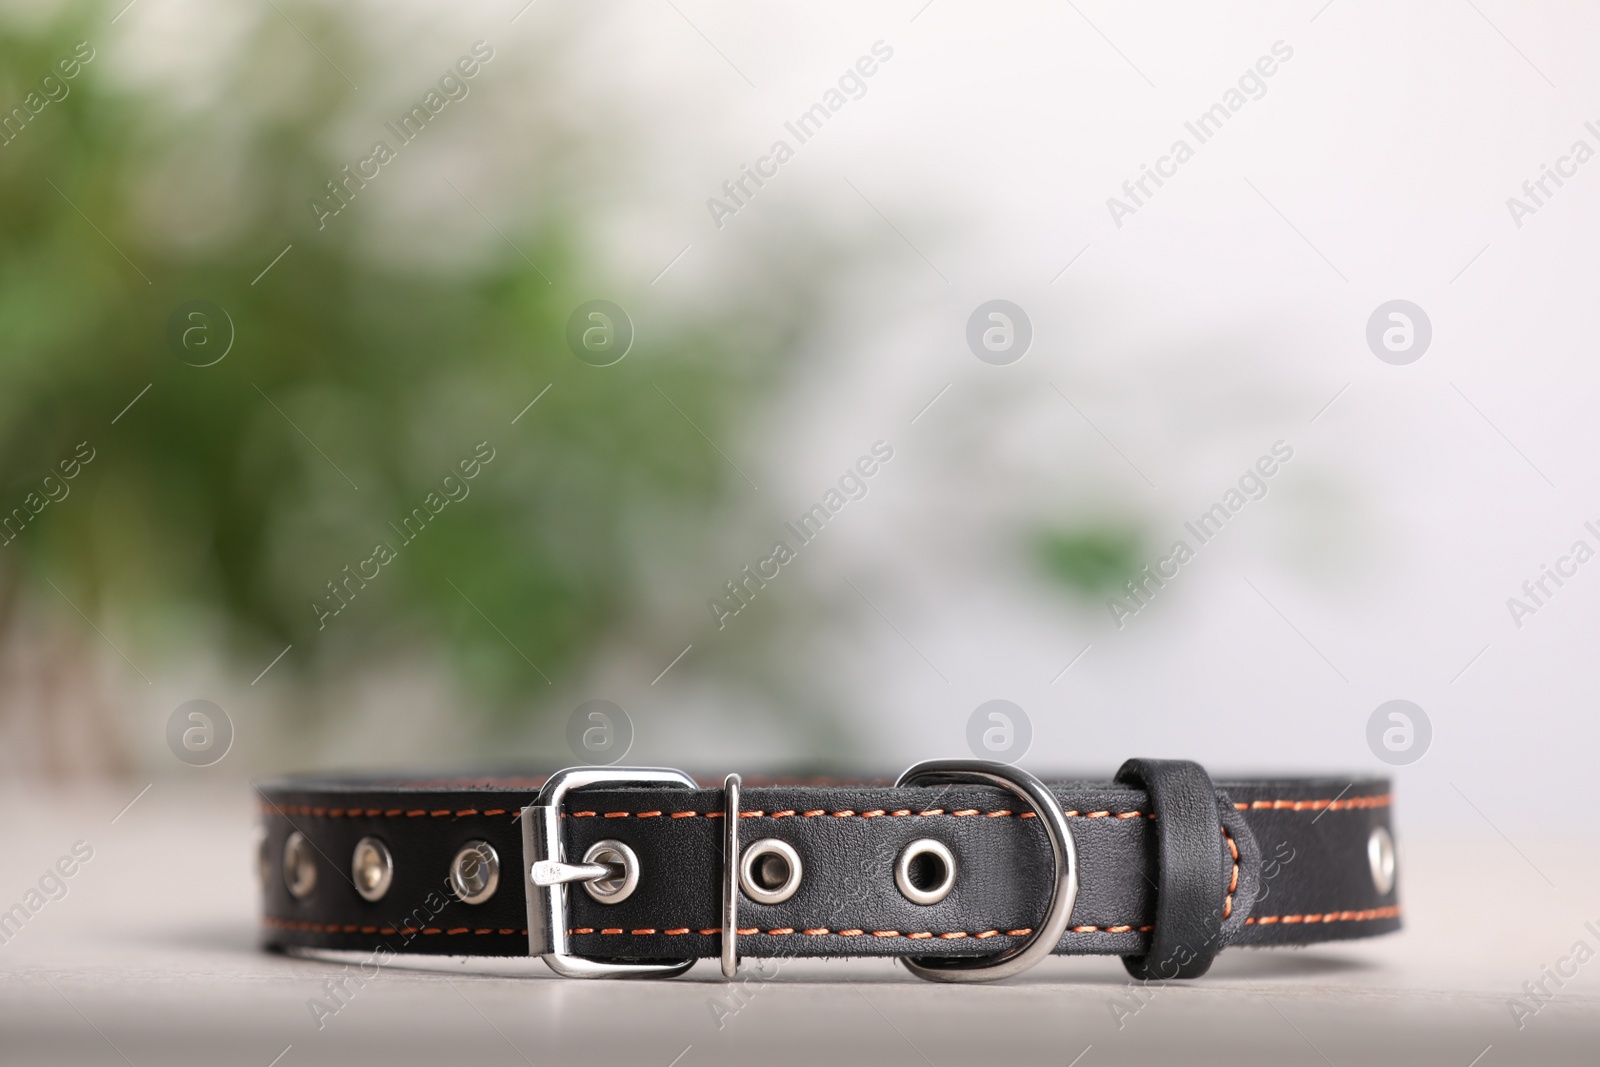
226,496
1091,561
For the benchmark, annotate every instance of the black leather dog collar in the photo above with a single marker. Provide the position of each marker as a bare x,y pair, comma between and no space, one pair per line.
1165,867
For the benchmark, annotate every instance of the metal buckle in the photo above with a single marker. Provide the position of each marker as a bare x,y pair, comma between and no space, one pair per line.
731,787
546,872
1047,935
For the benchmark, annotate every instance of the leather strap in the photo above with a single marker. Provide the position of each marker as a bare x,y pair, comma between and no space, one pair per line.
1163,859
1195,884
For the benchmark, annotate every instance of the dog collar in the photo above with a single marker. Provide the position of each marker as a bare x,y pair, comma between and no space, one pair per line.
967,870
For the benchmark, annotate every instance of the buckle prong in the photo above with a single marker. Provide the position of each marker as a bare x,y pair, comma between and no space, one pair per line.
548,873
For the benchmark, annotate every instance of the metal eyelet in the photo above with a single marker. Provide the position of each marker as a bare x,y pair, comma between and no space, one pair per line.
925,872
1380,857
371,868
299,866
475,872
618,887
769,871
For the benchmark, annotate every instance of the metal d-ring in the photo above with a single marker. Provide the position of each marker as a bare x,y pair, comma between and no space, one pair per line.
730,876
1048,933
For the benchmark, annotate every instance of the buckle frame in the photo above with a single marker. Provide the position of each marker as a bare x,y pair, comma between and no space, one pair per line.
1042,942
546,873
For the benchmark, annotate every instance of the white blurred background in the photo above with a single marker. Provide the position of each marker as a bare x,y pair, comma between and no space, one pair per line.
1168,353
1205,328
1228,314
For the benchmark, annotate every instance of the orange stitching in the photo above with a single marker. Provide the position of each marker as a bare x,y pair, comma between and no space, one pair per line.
1382,801
1233,884
842,814
1347,804
375,813
823,931
1390,912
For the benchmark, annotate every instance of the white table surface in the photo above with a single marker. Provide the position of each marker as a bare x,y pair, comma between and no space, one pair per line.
151,958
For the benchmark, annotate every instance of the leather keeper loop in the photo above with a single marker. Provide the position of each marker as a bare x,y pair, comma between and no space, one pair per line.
1191,880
